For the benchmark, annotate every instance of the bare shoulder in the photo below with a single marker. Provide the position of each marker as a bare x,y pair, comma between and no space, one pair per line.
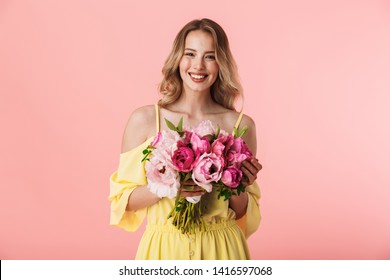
250,135
140,126
248,121
232,117
142,115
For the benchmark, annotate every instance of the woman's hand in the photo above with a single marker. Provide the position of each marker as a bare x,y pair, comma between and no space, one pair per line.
250,168
190,189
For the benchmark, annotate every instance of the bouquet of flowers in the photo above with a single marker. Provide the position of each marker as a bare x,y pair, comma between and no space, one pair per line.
210,157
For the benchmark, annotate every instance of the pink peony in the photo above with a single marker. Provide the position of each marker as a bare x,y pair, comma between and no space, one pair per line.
222,144
186,139
168,142
205,128
207,169
238,152
163,179
231,176
156,139
200,144
184,158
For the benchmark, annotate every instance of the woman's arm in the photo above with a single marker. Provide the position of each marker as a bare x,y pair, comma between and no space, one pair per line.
140,126
140,198
250,168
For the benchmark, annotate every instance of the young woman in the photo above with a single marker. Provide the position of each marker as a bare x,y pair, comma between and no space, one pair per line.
199,83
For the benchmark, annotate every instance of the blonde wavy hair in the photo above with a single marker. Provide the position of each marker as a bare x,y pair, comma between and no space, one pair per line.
226,89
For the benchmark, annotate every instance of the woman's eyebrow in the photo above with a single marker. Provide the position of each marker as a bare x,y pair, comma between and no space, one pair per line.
189,49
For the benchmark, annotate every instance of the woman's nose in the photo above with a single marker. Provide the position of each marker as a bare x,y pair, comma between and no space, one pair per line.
198,63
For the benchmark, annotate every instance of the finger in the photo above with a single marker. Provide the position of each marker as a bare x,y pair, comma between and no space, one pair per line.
245,170
256,163
192,193
189,182
250,167
192,188
253,165
248,181
250,177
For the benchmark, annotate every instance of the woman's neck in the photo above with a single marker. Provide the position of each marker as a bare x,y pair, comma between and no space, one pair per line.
195,104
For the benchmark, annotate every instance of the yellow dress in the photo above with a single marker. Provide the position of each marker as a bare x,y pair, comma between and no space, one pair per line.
224,237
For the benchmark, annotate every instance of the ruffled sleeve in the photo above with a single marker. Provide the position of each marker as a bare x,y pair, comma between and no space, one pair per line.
130,174
250,222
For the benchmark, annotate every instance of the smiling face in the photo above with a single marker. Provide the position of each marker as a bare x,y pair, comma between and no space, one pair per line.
198,66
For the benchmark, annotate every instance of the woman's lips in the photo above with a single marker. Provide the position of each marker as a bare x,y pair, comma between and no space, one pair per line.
198,77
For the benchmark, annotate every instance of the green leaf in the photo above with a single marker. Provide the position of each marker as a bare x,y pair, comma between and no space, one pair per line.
243,131
145,151
235,130
145,158
217,132
187,176
240,189
170,125
180,125
210,137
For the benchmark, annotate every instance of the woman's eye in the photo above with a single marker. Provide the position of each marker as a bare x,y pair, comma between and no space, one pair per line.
210,57
189,54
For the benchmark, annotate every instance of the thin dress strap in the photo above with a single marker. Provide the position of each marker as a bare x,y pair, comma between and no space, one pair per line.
157,119
237,122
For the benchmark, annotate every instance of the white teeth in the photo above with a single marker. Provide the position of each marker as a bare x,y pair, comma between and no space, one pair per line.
198,76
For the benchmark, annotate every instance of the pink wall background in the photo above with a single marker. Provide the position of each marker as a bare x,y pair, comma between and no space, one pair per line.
316,78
